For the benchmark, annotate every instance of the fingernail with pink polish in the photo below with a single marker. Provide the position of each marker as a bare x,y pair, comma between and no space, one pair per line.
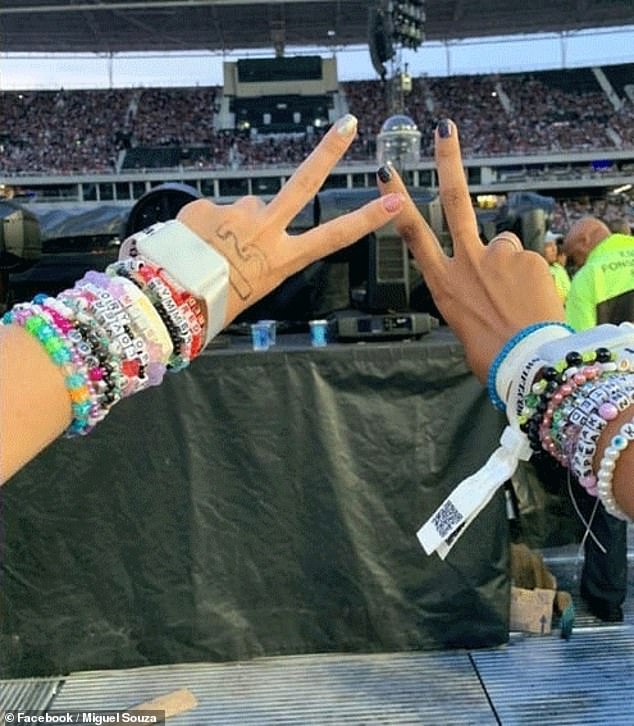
346,125
392,202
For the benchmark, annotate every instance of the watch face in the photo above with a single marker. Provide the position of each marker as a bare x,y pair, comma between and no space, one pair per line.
159,205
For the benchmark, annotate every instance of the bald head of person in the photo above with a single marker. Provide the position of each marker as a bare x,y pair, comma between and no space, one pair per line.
584,235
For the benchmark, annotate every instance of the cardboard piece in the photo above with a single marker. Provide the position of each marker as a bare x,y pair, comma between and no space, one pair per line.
532,610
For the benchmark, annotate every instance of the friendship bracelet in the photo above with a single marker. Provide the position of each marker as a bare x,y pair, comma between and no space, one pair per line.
35,323
505,365
187,305
191,263
605,472
585,445
144,324
116,322
555,382
171,304
139,309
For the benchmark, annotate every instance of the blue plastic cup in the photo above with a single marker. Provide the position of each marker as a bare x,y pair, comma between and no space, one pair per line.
260,336
272,329
319,333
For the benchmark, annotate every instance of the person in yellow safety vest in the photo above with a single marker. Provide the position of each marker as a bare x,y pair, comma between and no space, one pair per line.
602,290
556,264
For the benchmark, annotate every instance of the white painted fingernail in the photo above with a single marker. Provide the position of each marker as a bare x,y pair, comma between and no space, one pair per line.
346,125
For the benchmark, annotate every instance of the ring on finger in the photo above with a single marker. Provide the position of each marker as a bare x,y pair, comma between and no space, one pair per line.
510,238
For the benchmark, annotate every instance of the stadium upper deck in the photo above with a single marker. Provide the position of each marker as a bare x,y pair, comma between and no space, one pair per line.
561,126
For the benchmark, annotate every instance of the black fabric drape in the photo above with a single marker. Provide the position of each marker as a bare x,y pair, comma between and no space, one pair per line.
258,504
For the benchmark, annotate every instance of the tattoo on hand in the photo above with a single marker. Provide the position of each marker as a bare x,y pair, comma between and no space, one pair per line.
250,254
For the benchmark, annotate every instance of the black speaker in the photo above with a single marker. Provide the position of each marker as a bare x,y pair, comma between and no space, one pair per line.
533,223
388,271
20,237
159,205
380,40
380,270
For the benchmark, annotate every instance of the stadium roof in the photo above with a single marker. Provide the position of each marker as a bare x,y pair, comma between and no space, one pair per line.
113,26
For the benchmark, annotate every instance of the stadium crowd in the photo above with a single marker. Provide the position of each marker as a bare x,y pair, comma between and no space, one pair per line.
88,131
611,209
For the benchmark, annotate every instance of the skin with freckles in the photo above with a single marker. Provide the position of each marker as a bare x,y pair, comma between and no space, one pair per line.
488,293
34,404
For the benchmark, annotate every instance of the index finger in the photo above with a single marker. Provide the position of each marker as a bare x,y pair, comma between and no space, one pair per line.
312,172
454,193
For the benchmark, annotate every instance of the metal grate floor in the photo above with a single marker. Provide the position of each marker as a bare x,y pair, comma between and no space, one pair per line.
28,694
531,680
318,689
553,682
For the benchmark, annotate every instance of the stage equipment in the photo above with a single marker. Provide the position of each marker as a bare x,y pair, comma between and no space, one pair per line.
388,282
398,141
381,327
159,205
20,237
528,214
380,41
407,19
381,275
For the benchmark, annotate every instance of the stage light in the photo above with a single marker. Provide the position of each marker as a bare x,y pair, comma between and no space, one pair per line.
398,142
407,21
620,190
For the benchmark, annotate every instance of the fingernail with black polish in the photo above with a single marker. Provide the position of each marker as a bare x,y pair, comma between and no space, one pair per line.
384,174
444,128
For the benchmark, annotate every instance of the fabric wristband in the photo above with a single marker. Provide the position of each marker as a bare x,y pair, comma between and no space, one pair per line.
190,261
613,337
462,506
518,368
453,516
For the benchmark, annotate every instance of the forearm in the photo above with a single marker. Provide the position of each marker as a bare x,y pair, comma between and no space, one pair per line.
34,404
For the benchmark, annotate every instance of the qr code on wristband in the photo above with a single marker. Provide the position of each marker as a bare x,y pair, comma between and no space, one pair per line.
446,519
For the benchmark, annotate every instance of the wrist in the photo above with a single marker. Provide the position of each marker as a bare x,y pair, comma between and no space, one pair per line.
515,366
191,262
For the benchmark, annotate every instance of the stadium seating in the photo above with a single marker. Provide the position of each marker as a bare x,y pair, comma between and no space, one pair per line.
61,132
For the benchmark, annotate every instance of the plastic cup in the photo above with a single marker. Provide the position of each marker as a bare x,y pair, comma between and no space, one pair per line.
272,329
260,336
319,333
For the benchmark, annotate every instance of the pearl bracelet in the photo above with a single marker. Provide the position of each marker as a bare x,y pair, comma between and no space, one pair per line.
605,473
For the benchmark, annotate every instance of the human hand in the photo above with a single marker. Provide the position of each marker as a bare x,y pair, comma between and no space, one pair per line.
486,293
252,235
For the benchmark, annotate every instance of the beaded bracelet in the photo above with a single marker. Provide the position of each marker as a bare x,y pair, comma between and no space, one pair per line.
605,472
189,306
103,376
114,342
83,361
584,440
554,383
565,372
34,322
178,309
506,350
140,311
174,301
